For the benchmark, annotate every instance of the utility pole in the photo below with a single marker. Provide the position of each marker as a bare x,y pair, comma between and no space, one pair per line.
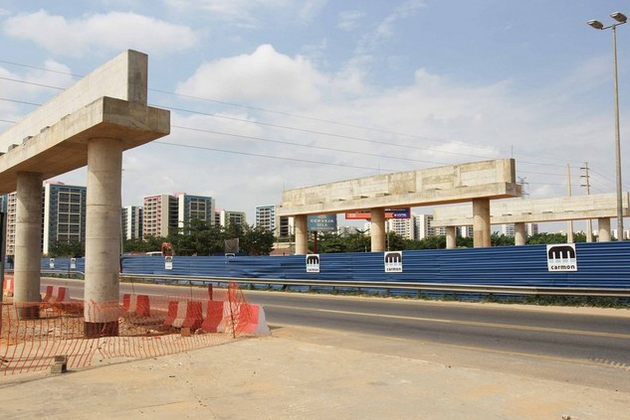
587,189
570,223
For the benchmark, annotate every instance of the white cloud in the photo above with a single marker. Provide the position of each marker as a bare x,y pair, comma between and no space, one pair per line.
310,9
237,10
263,76
35,85
349,20
408,9
114,31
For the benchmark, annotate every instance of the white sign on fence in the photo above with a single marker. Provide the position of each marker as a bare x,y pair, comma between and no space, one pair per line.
312,263
561,257
393,262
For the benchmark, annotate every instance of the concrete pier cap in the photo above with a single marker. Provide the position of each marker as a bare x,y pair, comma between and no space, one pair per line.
477,182
519,211
94,121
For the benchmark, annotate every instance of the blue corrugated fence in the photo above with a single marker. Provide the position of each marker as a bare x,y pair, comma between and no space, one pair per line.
599,265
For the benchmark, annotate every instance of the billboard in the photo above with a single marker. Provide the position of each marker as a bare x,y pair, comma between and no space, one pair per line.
322,223
393,213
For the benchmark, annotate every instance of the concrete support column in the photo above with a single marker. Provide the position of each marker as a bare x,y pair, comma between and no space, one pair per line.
589,230
377,230
520,237
603,225
28,242
481,222
301,235
451,237
102,237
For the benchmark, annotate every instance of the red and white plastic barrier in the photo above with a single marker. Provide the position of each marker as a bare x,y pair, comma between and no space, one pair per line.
243,317
9,285
214,316
138,305
61,295
256,321
184,314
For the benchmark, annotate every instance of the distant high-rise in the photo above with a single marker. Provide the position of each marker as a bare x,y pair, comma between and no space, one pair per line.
509,229
467,232
194,207
164,212
159,215
402,227
423,227
228,217
132,222
266,218
63,215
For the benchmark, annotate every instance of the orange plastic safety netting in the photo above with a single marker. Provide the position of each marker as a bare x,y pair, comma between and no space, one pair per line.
139,326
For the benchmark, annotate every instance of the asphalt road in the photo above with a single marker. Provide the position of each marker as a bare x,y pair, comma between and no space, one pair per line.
576,334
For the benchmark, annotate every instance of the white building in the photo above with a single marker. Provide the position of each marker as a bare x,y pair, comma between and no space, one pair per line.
402,227
63,215
229,217
132,222
159,215
266,218
163,212
422,226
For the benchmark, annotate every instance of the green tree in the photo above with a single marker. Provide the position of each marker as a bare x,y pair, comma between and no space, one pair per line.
257,241
358,242
67,249
499,239
197,237
547,238
395,242
331,242
139,245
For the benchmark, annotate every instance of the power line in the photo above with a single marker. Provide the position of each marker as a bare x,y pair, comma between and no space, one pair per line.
291,115
300,145
344,165
32,83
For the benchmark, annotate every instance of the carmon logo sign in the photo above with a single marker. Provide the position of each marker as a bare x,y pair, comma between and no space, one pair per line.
312,263
393,262
561,257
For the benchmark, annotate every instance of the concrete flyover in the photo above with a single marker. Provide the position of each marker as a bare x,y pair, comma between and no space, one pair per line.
90,123
602,207
477,182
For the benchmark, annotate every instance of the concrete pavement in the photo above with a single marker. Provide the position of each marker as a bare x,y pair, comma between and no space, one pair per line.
288,376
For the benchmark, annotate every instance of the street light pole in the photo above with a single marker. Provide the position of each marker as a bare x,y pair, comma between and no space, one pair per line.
621,19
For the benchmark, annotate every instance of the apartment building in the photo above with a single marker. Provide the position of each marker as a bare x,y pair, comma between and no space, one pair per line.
164,212
132,222
63,215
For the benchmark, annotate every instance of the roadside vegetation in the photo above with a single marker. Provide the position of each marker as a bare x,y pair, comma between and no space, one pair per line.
201,238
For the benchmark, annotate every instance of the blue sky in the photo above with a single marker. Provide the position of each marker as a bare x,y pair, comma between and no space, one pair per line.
269,95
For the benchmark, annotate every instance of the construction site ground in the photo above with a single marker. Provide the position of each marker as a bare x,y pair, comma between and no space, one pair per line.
302,373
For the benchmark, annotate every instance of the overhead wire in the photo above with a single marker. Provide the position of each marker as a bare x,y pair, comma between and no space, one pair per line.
285,127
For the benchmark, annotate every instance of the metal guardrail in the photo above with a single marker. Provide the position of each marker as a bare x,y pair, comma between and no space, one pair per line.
388,286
